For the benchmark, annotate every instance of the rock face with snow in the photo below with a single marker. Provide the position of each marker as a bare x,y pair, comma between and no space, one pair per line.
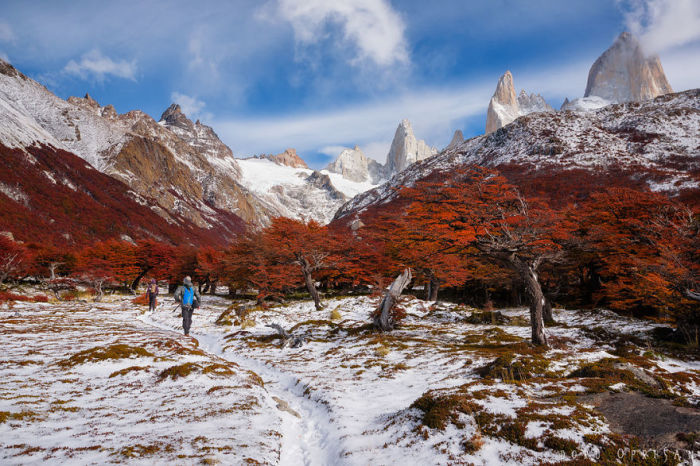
296,192
505,107
624,73
288,158
653,143
585,104
182,166
406,149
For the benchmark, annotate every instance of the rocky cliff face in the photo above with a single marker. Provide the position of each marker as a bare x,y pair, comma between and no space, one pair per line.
505,107
352,164
406,149
624,73
181,165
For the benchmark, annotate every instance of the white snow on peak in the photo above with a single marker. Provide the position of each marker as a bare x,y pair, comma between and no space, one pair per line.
295,192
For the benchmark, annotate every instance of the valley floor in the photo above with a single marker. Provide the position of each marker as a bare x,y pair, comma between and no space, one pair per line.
108,382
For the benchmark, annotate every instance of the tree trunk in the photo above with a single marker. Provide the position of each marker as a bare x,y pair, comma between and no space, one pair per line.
98,287
137,280
212,287
308,279
383,319
52,270
428,291
547,312
434,287
537,301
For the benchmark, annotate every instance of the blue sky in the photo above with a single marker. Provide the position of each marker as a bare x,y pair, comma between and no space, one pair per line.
318,75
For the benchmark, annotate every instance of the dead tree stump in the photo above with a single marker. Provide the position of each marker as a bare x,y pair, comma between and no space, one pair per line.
383,319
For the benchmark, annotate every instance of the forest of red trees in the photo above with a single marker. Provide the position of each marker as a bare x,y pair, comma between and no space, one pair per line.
471,236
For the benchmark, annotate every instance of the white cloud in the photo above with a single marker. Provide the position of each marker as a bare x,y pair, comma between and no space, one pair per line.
190,106
372,26
94,64
663,24
434,113
6,33
333,151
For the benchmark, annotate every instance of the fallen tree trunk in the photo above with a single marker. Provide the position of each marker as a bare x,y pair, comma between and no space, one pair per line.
383,319
287,339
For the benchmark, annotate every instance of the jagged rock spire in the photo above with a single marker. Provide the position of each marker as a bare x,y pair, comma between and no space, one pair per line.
505,106
406,149
625,73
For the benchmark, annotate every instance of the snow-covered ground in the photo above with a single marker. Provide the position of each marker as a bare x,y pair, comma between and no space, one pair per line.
348,396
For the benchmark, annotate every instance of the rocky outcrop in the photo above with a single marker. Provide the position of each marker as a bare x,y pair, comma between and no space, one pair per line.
505,107
457,139
323,182
352,164
406,149
288,158
624,73
532,103
584,104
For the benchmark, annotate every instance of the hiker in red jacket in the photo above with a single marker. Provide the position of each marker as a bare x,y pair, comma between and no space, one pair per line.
152,295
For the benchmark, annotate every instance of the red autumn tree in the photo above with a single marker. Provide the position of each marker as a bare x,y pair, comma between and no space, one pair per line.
306,246
48,261
154,258
361,254
110,261
646,248
209,267
414,237
479,209
246,265
13,258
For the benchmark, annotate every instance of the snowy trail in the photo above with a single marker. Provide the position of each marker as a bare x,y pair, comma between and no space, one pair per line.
310,439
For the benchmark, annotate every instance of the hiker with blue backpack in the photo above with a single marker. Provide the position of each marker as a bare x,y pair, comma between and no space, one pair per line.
188,297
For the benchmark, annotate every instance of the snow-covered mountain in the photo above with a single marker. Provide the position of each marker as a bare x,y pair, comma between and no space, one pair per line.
655,142
505,107
297,192
180,166
355,166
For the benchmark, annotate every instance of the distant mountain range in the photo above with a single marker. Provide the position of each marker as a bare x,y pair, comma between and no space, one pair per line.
182,183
